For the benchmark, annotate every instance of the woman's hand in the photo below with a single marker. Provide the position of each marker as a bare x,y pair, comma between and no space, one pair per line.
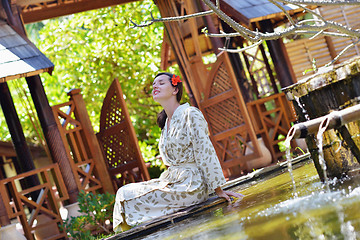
227,194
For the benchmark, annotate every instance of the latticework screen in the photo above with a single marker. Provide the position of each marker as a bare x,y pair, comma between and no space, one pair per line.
118,140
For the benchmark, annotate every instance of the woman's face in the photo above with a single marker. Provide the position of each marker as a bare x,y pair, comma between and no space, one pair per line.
162,88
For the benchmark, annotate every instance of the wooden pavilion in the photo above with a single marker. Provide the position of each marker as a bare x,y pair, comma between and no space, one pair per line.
232,86
246,96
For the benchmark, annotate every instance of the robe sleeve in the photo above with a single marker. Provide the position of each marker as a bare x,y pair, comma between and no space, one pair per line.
204,152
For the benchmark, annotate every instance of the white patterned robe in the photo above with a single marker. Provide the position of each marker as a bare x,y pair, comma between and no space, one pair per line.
193,171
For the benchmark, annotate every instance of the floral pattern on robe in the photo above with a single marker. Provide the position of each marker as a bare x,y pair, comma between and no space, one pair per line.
193,171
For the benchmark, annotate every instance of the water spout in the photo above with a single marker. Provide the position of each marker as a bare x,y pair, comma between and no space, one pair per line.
339,159
336,119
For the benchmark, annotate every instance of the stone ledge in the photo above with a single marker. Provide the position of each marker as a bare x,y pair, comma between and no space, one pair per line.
323,77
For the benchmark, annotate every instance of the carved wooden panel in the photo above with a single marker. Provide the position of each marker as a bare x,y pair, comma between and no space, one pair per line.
227,116
118,140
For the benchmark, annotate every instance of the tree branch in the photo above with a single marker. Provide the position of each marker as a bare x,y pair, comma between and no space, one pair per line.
241,49
284,11
309,11
298,29
342,52
323,33
319,26
171,19
243,31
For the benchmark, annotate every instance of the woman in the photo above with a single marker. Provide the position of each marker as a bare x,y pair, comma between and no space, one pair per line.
193,167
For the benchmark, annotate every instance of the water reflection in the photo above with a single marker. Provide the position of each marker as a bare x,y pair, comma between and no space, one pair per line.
270,210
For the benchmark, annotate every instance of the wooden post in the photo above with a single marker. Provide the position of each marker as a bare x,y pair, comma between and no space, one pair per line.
279,56
253,81
52,135
4,218
268,68
24,158
331,47
82,116
216,42
173,30
183,72
238,67
239,72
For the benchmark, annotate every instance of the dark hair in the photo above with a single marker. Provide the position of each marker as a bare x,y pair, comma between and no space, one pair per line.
161,117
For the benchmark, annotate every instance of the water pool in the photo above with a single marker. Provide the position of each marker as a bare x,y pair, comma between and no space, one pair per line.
271,210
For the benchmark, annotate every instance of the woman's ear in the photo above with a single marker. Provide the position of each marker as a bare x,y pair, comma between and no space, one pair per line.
176,90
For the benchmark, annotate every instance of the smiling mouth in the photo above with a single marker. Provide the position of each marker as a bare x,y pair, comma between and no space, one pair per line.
156,92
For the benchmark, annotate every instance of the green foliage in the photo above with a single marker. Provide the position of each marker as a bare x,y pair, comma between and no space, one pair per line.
95,209
281,144
89,50
92,48
150,154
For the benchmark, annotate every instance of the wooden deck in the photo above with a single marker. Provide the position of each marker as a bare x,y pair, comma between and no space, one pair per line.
152,226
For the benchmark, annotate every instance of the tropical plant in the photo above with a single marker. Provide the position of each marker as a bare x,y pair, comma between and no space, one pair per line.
95,216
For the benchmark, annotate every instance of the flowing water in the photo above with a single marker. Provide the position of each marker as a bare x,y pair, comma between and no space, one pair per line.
319,144
289,163
270,210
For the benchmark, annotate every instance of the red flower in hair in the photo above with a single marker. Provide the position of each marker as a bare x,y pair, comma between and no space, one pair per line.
175,80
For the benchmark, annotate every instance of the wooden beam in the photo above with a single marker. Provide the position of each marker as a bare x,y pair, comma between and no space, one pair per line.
7,150
331,47
283,68
234,14
62,9
4,218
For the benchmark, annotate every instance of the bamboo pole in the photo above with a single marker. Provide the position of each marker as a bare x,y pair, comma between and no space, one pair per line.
334,119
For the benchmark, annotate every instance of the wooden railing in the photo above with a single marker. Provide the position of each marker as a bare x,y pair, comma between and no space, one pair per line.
87,162
36,207
271,117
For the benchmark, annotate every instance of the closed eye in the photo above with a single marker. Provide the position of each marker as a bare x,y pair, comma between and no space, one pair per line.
161,82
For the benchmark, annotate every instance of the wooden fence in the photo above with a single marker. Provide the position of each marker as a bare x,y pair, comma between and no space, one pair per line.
36,207
271,117
82,147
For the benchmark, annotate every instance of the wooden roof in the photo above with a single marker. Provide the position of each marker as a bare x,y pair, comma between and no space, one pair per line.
249,11
19,57
38,10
